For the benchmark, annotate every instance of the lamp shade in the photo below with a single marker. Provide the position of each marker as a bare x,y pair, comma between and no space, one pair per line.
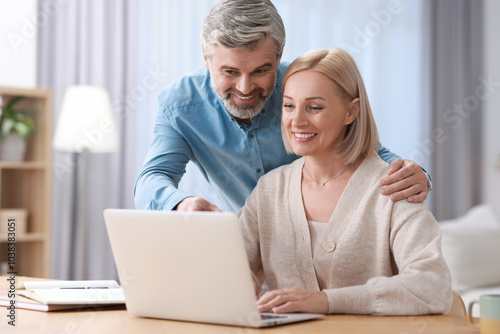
86,121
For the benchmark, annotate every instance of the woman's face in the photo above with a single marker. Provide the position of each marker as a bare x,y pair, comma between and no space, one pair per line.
314,114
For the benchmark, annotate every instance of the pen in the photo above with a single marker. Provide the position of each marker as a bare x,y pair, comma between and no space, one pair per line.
89,287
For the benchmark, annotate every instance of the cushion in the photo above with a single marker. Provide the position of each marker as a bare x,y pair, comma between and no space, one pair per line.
471,248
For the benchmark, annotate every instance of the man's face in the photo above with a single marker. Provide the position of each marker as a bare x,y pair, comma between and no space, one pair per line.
243,80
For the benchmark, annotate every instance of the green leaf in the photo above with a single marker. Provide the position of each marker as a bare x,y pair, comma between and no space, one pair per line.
16,120
27,112
23,130
30,123
13,102
7,126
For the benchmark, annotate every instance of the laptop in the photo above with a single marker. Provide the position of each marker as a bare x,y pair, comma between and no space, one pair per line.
188,266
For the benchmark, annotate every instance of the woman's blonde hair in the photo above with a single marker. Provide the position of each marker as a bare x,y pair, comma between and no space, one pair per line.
361,136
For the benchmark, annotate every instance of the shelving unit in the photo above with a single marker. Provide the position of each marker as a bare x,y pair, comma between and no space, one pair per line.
28,184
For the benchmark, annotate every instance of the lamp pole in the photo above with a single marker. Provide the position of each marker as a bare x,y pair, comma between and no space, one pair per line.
84,215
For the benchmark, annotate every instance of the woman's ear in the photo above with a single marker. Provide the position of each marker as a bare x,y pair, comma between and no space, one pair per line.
353,113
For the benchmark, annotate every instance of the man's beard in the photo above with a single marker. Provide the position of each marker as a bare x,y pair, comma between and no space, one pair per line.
247,110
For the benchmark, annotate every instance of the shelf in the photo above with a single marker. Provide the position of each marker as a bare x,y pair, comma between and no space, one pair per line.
31,93
22,165
28,185
26,237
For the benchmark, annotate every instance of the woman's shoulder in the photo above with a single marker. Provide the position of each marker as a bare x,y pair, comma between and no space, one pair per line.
369,172
283,171
401,209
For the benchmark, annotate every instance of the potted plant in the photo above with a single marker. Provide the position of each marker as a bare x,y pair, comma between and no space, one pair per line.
16,126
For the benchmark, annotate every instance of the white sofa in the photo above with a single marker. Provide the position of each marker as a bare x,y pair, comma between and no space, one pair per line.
471,247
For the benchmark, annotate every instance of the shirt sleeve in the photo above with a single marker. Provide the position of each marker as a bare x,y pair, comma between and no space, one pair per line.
386,155
422,284
164,166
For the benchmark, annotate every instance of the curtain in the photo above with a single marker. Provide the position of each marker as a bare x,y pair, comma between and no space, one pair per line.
459,87
89,42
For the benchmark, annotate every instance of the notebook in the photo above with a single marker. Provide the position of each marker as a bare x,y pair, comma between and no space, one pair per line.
188,266
55,295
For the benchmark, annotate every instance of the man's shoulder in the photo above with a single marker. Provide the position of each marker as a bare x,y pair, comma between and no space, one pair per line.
191,89
281,71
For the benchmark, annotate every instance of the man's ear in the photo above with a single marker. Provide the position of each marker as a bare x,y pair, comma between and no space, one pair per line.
207,65
353,111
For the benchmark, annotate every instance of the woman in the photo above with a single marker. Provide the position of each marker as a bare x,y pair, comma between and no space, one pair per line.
317,231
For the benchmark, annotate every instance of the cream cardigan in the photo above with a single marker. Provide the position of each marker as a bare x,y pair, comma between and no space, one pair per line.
376,256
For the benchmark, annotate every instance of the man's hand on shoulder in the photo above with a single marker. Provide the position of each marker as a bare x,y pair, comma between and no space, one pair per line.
196,204
406,179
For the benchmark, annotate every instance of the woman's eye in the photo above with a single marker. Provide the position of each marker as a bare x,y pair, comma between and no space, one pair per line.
287,106
316,108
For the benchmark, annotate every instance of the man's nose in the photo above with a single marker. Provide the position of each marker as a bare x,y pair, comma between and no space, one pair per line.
245,84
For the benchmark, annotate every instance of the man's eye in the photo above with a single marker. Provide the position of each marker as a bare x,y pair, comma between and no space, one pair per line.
262,71
229,72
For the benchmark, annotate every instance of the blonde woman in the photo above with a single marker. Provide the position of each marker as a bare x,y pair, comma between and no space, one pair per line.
317,231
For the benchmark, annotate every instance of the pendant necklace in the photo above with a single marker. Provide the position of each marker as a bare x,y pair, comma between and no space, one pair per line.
333,177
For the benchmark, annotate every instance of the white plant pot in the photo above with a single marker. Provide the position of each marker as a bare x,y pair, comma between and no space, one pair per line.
12,148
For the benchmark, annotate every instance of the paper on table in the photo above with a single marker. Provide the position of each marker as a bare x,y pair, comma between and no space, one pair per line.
56,296
30,285
88,292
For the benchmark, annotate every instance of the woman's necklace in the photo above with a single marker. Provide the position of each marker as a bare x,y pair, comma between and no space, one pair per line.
333,177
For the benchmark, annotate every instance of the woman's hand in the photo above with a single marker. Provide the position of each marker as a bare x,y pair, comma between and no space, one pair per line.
294,300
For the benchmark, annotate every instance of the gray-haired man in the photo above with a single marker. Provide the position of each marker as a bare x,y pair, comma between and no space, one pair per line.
226,118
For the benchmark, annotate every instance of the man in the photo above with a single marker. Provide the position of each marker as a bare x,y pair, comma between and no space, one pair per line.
226,118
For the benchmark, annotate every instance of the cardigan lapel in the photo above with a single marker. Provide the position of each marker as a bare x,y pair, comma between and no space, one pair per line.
353,192
303,251
342,215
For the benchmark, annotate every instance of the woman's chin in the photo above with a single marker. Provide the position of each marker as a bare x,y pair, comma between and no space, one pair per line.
301,152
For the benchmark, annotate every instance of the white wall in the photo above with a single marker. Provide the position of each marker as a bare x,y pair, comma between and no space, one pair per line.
491,133
18,29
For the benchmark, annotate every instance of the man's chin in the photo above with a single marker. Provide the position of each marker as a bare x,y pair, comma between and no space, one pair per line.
245,112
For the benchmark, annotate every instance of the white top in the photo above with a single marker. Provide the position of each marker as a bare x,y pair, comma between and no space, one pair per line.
316,230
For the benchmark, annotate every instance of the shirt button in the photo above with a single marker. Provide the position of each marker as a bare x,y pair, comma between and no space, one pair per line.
250,135
329,246
258,170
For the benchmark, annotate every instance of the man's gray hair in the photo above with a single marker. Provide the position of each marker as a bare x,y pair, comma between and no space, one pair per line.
245,24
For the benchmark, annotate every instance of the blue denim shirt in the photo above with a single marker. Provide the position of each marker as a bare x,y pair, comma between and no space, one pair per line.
192,124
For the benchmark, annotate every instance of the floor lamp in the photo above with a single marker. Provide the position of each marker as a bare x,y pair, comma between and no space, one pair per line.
85,125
